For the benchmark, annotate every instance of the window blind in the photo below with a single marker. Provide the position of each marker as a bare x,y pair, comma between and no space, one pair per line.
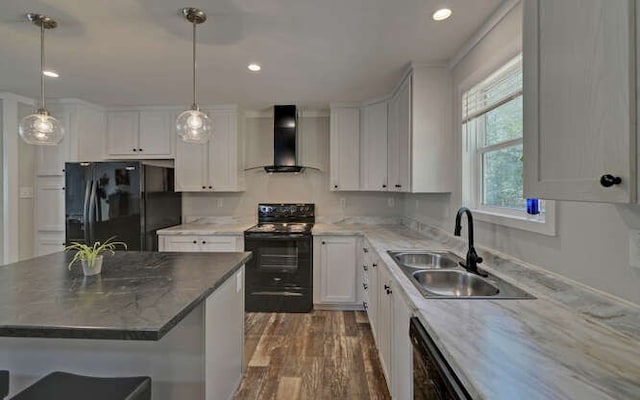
499,88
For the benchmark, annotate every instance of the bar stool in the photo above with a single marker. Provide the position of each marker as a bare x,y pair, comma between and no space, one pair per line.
4,384
63,385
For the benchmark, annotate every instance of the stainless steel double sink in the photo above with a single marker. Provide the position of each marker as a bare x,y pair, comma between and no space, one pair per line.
438,274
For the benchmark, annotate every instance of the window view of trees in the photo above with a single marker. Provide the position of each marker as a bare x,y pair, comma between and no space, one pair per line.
502,166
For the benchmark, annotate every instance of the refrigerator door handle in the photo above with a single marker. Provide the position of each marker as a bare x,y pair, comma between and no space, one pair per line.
92,212
85,210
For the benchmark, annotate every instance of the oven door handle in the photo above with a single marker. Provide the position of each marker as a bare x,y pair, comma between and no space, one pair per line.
275,236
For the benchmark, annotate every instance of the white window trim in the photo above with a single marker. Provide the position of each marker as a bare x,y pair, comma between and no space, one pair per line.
543,223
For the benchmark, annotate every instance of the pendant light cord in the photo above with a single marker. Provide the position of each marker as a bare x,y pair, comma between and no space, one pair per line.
42,64
194,106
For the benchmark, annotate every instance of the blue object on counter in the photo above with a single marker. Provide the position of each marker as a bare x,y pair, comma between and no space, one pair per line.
532,207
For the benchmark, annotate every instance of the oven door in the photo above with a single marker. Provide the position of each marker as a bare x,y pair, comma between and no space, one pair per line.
433,378
279,275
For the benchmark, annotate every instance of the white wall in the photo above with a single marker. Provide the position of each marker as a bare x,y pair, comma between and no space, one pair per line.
311,186
592,241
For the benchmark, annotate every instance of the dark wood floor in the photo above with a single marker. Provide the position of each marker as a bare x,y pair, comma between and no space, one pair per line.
320,355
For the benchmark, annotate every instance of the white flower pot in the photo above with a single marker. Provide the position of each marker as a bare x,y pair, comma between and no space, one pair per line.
94,269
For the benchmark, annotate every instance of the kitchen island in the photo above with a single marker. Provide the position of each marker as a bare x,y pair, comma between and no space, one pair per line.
153,314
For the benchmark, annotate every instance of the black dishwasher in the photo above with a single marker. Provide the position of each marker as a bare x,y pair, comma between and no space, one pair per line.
433,378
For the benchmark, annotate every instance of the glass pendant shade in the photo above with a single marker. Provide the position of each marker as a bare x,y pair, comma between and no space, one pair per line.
41,128
194,126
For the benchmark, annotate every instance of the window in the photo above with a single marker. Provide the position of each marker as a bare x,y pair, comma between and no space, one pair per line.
492,130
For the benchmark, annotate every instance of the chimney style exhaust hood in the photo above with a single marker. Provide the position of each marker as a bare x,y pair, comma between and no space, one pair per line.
285,132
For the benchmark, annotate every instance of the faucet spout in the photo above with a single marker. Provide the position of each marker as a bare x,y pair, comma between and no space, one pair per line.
473,259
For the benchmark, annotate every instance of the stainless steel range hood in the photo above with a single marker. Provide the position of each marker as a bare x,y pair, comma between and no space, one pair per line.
285,132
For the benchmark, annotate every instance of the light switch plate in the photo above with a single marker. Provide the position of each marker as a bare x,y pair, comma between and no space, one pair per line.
343,202
220,203
634,248
391,202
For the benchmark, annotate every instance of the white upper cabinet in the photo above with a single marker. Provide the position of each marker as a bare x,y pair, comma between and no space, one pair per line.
122,133
403,143
344,148
373,140
398,138
579,100
85,127
432,162
156,133
191,167
140,134
217,165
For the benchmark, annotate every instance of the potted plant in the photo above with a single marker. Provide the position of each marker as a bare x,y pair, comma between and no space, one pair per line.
90,256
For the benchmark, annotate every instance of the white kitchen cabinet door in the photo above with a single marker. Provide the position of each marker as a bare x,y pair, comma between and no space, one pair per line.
50,204
48,243
191,167
222,169
373,140
402,155
385,323
122,133
402,351
579,103
49,215
182,243
156,133
344,148
215,243
337,269
372,310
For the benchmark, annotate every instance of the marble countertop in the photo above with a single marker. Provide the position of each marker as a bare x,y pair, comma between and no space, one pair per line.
138,295
568,343
207,228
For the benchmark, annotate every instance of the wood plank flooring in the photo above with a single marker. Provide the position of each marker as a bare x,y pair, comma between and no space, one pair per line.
319,355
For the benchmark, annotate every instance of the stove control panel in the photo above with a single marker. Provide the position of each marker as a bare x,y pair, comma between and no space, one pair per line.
286,213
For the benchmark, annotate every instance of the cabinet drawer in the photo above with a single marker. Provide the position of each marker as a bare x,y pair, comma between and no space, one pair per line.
217,243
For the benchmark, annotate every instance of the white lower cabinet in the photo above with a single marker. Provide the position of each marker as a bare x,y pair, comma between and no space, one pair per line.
401,350
370,285
336,276
200,243
385,324
389,316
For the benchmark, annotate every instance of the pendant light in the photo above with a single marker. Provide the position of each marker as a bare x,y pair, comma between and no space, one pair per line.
194,126
41,128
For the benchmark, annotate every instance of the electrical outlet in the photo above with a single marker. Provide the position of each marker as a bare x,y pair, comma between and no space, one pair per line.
417,204
634,248
343,202
220,203
391,202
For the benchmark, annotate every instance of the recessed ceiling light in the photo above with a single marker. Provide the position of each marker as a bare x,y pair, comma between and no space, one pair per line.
442,14
50,74
254,67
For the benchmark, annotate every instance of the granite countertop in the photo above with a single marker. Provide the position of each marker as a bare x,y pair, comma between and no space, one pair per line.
138,295
207,228
568,343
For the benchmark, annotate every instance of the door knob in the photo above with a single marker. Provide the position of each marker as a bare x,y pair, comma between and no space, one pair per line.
609,180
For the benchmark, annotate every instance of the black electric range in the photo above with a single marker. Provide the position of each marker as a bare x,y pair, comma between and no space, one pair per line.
279,276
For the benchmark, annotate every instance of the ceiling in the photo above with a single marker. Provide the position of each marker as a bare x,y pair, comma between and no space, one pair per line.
138,52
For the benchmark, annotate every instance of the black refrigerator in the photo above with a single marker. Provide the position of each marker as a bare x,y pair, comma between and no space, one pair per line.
128,200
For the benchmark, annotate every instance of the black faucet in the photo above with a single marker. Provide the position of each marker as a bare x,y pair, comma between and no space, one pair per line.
473,259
